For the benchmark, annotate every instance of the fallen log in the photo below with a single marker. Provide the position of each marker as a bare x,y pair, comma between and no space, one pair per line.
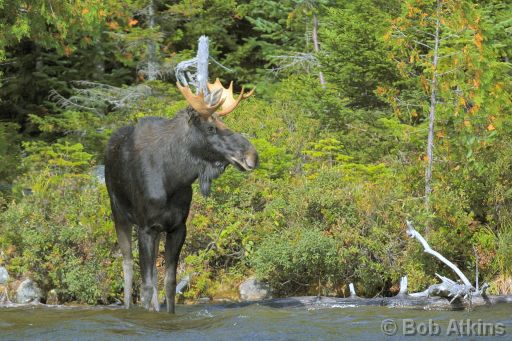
322,302
399,302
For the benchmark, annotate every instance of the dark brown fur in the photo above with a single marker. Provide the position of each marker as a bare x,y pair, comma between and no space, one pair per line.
149,172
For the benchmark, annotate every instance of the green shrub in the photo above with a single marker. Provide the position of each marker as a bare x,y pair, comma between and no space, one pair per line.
9,152
62,235
299,260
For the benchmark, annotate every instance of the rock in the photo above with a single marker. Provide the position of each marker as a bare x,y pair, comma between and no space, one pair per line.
4,275
253,289
28,292
52,297
202,300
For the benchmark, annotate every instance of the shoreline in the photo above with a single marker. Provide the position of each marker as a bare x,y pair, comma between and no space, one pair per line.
315,302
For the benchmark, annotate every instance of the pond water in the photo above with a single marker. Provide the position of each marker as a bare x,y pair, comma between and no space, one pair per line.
253,322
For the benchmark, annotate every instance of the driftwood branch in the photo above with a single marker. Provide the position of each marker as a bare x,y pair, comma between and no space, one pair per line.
447,288
352,290
411,232
403,286
183,284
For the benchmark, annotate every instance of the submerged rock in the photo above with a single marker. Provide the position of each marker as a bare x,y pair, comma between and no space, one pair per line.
253,289
4,275
28,292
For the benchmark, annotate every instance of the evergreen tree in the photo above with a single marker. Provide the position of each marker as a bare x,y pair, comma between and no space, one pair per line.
355,57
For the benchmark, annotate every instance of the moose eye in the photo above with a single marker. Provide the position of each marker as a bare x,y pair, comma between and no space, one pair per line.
211,130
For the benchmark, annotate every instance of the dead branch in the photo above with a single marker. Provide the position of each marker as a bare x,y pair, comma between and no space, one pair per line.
411,232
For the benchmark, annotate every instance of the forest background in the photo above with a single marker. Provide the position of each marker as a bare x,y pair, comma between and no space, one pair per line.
345,94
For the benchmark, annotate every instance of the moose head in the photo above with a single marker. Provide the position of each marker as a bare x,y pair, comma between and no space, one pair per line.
214,142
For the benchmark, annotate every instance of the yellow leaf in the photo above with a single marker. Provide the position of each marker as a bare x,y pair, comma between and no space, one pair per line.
85,11
478,40
68,50
113,25
467,123
132,22
490,127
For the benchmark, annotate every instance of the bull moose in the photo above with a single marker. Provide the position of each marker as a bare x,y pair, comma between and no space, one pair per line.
149,171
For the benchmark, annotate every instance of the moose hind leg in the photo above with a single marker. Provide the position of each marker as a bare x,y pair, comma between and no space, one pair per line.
154,300
124,239
147,253
173,243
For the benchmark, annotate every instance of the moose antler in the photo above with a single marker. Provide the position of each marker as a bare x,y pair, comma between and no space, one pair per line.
204,105
230,103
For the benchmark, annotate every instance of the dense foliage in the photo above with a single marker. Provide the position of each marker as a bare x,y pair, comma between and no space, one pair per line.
342,164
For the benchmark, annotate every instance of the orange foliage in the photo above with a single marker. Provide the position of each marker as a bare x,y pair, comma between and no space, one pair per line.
113,25
478,40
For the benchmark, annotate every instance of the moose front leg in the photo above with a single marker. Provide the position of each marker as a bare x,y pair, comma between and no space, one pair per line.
124,239
147,256
173,243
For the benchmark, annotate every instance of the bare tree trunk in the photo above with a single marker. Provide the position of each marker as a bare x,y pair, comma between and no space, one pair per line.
152,46
317,47
202,65
432,115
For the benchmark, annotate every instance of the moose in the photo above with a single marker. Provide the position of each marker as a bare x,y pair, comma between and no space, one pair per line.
149,171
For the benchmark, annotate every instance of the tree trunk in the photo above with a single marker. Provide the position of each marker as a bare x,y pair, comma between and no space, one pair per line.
432,115
152,46
202,65
317,47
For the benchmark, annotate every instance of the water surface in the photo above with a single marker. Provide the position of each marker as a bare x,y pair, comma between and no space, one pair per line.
238,322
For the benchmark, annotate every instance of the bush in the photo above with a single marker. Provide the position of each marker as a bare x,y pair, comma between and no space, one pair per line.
300,260
9,152
62,235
